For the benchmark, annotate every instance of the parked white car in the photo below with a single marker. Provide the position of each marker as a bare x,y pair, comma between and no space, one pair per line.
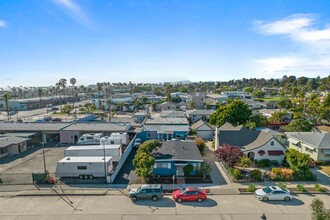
137,142
273,193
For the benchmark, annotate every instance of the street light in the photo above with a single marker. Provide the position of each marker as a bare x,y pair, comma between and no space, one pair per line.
105,166
43,154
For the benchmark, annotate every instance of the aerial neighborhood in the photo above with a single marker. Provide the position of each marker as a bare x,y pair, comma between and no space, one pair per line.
251,136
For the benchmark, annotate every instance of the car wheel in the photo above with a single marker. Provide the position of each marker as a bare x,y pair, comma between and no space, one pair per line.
287,199
265,199
199,200
179,200
154,198
134,198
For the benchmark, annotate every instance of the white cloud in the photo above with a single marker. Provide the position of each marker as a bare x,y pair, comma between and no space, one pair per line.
3,24
304,30
74,11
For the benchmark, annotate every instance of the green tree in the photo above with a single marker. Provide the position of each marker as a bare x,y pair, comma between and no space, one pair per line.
278,116
258,93
257,121
235,113
296,160
248,89
284,102
40,92
143,160
73,81
204,169
319,212
298,125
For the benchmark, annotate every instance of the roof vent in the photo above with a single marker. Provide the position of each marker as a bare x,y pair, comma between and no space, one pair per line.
68,158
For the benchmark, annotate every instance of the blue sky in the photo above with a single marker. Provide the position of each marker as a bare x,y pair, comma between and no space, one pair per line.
42,41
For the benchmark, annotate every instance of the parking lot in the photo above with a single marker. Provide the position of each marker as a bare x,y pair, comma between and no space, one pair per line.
19,170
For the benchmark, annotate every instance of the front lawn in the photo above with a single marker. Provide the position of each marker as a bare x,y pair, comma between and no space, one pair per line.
326,169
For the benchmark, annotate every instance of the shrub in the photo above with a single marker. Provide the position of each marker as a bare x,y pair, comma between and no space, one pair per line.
188,169
245,162
276,171
256,175
286,174
301,188
301,175
252,188
321,163
237,174
319,188
201,145
282,185
230,170
263,163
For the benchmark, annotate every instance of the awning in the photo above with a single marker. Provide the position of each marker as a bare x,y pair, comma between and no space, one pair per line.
309,147
294,141
326,151
275,152
261,152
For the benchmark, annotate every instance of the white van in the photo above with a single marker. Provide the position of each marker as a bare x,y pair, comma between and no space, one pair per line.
90,139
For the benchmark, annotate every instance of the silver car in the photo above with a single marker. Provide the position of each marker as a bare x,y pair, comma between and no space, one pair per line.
273,193
153,192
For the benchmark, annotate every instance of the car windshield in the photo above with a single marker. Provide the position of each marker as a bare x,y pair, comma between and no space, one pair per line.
267,190
183,190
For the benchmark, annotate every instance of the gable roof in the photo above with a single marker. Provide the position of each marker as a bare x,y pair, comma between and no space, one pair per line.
178,151
167,121
166,128
201,123
242,137
172,114
316,139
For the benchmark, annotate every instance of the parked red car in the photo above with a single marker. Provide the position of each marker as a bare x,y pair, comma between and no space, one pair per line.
189,194
56,119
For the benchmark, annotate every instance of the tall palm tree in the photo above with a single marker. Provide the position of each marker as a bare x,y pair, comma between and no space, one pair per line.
63,86
58,90
6,96
40,92
73,82
99,89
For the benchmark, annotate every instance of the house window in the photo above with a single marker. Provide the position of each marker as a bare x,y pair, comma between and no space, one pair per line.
272,143
82,167
150,135
309,150
163,165
3,150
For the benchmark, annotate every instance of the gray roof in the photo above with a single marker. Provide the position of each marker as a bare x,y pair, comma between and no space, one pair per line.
269,131
178,151
172,114
168,103
167,121
7,141
34,126
166,128
201,123
20,134
316,139
242,137
112,127
200,112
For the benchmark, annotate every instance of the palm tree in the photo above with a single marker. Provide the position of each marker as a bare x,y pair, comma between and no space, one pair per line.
73,82
62,83
40,92
6,96
58,90
99,89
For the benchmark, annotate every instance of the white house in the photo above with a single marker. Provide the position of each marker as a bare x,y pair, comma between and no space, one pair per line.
316,144
256,145
203,129
196,115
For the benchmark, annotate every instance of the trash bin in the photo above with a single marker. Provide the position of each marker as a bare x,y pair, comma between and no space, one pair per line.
39,177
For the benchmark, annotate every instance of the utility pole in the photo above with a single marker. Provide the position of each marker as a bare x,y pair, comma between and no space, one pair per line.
105,165
43,154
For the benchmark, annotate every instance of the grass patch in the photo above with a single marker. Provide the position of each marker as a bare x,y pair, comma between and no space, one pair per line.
326,169
271,99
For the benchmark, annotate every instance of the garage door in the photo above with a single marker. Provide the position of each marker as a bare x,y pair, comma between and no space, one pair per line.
205,134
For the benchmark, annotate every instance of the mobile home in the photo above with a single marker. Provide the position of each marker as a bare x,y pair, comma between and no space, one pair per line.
84,167
114,151
90,139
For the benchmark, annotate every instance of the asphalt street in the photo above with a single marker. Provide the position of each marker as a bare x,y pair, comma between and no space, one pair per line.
217,207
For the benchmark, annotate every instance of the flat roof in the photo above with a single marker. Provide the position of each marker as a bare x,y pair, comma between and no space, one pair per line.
33,126
9,140
112,127
166,121
84,159
94,147
20,134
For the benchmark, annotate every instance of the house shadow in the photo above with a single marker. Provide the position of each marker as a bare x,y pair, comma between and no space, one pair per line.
205,204
293,202
161,203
